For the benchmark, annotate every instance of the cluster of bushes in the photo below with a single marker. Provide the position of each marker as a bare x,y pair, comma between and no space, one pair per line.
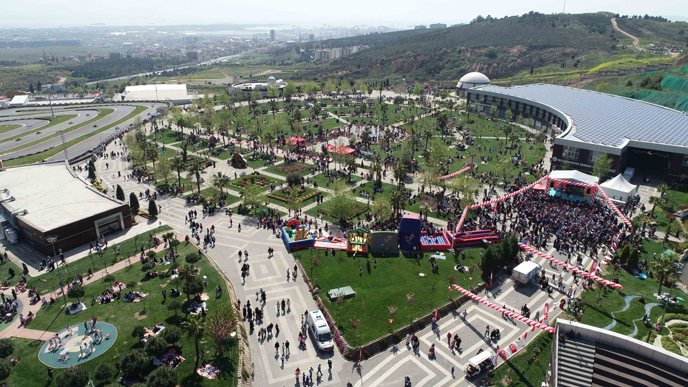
499,254
653,83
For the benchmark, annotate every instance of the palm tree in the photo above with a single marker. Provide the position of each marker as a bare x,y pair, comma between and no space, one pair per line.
654,200
195,171
178,164
218,181
664,268
662,188
195,327
273,106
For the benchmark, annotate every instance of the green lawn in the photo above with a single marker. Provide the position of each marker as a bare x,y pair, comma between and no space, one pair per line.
315,211
309,192
53,121
187,184
261,160
166,136
52,152
490,147
7,128
49,281
395,113
597,311
522,369
386,285
213,192
125,316
674,199
103,113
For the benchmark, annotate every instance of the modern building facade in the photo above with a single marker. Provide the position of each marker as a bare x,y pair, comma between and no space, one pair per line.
42,200
650,138
263,87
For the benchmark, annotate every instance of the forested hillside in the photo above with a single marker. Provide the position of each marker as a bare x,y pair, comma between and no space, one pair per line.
497,47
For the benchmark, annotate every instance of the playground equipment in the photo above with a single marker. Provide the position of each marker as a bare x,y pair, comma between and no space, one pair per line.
438,241
296,236
238,160
386,242
409,232
473,238
340,244
358,241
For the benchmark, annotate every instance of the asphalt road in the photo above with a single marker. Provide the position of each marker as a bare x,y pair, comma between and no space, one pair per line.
31,124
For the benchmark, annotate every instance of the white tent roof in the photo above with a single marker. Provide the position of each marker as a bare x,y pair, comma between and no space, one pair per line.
619,187
574,175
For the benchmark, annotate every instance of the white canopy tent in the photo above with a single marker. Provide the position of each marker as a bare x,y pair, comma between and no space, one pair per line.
619,188
575,176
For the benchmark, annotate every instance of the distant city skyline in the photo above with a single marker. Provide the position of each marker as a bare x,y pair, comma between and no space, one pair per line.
399,14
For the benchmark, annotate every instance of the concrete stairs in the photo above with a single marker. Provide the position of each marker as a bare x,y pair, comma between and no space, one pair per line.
576,359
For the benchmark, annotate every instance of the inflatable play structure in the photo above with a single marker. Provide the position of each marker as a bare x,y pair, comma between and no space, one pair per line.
296,236
438,241
473,238
384,242
358,241
335,243
409,232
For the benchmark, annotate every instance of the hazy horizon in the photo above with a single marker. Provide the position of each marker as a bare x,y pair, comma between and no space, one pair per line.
304,13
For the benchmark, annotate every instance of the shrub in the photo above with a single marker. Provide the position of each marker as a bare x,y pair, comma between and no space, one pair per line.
293,179
172,333
5,369
192,258
72,377
162,377
76,291
156,346
6,347
175,306
193,286
152,208
133,362
105,371
138,331
147,266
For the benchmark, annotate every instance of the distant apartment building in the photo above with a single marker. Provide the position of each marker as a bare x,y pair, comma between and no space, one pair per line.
437,26
272,35
311,37
334,53
420,27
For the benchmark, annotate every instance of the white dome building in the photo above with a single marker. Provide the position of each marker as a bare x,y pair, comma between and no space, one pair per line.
470,80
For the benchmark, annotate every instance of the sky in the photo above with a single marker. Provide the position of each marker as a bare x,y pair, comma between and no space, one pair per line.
304,13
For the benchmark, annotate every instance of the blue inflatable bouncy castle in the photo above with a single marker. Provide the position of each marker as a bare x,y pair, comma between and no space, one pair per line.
409,233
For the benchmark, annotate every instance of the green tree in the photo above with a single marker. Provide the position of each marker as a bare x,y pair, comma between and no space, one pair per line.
164,170
162,377
194,327
289,90
625,254
602,166
490,52
293,199
252,195
418,89
76,291
74,376
194,172
133,362
493,110
119,193
342,203
6,347
218,181
105,371
381,208
156,346
134,203
222,325
178,165
664,268
152,209
633,258
654,200
174,306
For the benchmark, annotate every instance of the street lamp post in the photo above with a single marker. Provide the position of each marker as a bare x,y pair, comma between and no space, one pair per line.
52,239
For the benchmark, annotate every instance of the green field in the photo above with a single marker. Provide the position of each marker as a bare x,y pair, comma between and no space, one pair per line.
386,285
125,316
7,128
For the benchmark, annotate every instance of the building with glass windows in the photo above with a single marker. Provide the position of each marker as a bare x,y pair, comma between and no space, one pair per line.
650,138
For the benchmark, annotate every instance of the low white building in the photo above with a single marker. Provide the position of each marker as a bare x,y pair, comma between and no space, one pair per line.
250,86
19,100
176,94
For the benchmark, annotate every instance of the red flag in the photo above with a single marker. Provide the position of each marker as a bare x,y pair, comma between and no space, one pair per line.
525,335
435,314
360,355
491,274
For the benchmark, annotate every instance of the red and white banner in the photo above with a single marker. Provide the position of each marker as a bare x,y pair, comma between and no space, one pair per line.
570,267
613,206
509,313
457,173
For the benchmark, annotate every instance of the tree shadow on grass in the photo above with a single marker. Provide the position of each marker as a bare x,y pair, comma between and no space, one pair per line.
193,380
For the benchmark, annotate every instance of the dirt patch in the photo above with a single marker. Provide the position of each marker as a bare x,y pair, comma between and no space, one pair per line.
138,316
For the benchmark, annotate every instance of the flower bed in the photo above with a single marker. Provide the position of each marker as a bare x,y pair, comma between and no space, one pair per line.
283,196
294,167
261,180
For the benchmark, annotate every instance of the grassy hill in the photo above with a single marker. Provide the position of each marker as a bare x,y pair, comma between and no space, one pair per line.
651,31
668,88
500,48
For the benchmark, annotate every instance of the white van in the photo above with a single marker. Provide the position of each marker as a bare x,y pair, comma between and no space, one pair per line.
320,330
